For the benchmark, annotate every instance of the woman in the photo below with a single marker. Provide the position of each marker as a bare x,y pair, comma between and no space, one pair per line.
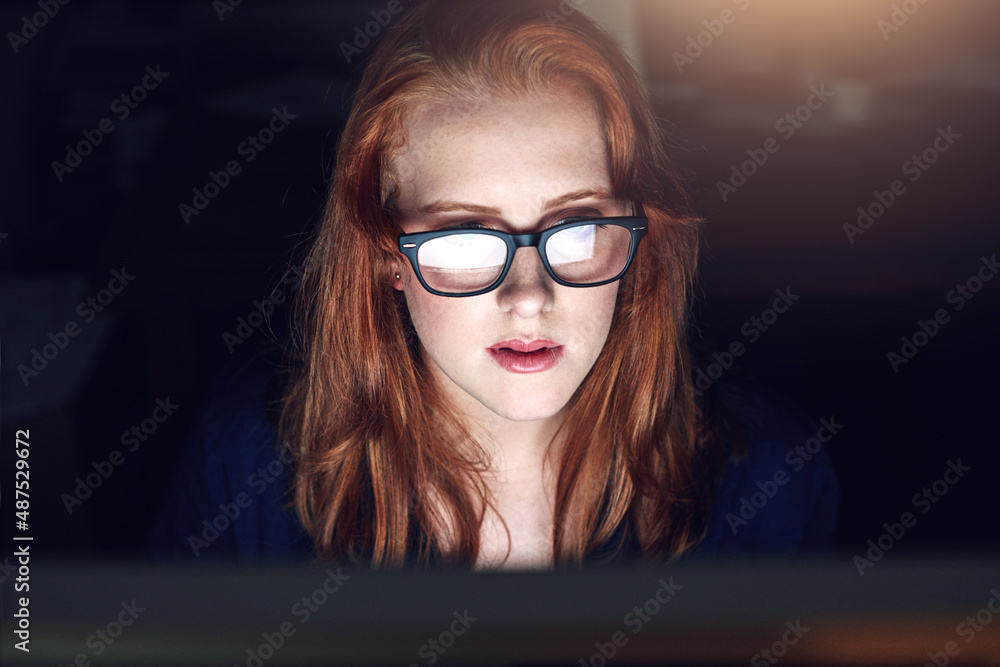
494,371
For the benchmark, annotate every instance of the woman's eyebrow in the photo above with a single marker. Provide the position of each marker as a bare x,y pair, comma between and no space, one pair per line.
451,206
591,193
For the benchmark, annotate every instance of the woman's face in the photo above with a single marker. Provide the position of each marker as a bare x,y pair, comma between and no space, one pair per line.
515,165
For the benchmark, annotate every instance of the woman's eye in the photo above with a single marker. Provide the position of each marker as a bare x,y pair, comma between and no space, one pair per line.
472,224
585,213
577,218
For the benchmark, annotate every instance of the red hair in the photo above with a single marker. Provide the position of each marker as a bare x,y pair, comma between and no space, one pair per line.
379,476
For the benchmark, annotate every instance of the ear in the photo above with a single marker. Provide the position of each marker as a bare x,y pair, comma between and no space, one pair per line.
397,270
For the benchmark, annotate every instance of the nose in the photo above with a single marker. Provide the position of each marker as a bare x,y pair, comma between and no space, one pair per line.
527,289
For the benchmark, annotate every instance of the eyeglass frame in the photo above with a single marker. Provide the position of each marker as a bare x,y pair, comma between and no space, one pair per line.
637,226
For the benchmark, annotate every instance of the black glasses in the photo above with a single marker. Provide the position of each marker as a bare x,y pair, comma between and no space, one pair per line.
467,262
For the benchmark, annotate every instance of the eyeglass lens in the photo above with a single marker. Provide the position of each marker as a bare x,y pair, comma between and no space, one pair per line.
460,263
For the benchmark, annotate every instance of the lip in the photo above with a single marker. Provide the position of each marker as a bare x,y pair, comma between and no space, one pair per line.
519,345
519,356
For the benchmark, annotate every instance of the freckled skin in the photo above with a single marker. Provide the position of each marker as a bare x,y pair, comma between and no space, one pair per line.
514,155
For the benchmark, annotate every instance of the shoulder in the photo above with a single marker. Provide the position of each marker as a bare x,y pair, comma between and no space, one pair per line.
780,497
229,494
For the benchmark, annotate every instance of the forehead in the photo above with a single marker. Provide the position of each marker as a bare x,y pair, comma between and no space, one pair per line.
527,148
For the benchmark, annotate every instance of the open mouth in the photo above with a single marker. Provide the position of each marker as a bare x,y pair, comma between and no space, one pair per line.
526,357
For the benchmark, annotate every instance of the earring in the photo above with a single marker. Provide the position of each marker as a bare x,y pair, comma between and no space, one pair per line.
397,276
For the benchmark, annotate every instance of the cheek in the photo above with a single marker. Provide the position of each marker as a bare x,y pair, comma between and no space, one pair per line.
594,315
436,319
421,312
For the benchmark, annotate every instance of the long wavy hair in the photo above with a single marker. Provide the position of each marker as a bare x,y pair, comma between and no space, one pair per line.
379,476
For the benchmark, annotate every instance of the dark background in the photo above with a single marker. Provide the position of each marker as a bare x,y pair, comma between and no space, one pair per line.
163,335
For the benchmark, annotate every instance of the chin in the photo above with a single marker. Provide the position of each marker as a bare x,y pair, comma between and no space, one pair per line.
526,408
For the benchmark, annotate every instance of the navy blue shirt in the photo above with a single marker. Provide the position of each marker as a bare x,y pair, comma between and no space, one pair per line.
230,493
